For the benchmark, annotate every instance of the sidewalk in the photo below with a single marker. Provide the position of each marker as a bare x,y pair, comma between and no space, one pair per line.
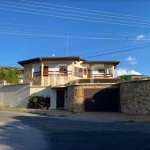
103,116
111,116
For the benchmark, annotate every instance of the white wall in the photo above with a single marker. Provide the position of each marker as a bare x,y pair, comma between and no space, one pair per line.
53,99
15,95
40,91
18,95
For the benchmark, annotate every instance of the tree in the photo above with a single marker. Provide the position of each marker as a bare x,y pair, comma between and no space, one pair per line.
10,75
126,77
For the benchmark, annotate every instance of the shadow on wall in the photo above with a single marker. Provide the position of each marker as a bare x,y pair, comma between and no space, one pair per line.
18,95
105,100
38,91
14,95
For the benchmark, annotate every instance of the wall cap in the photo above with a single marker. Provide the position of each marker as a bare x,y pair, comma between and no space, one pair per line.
128,81
93,84
16,84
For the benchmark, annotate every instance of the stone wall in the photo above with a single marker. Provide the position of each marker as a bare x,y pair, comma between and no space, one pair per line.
135,97
27,75
76,95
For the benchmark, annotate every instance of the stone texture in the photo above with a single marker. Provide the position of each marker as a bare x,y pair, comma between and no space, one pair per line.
36,80
27,75
135,97
76,95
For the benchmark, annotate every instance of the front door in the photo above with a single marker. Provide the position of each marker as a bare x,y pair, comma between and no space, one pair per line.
60,98
89,73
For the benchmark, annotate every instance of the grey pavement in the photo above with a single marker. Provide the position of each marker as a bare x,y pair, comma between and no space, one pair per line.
32,132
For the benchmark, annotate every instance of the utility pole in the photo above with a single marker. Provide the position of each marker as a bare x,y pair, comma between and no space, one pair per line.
67,44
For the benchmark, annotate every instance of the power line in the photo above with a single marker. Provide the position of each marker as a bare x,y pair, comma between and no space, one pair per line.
30,54
88,10
66,17
110,33
119,51
64,36
51,35
141,46
72,11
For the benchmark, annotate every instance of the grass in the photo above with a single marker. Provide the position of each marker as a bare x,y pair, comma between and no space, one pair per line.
13,109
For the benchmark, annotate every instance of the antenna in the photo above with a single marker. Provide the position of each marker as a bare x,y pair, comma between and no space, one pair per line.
148,63
67,44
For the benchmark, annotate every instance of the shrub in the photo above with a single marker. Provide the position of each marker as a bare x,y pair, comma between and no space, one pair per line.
38,102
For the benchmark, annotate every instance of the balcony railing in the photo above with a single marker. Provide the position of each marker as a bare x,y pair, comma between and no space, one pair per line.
63,77
53,73
54,77
102,76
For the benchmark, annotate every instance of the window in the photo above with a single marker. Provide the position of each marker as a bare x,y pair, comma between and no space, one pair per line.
78,72
45,70
62,69
101,70
85,71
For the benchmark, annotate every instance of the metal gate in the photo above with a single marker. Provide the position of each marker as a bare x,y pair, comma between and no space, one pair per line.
102,100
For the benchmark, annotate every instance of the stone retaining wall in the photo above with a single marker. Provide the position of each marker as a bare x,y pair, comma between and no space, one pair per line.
135,97
27,73
76,95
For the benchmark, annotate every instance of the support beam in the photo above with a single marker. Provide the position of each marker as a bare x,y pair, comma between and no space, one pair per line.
42,79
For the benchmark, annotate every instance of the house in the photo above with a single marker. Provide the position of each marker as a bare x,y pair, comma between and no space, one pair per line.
140,77
72,81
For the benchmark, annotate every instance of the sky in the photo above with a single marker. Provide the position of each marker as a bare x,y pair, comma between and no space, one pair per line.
93,29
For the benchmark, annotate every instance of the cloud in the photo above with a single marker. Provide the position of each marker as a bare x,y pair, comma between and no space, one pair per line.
119,72
133,62
140,37
130,58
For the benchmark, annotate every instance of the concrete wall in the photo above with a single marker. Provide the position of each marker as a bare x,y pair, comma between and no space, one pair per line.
14,95
76,95
135,97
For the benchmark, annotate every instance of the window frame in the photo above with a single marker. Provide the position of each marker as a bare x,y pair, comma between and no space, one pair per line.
103,71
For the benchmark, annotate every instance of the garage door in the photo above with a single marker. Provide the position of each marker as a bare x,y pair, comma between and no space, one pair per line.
104,100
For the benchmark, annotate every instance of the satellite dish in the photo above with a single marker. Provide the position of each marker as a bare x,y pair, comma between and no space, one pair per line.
53,55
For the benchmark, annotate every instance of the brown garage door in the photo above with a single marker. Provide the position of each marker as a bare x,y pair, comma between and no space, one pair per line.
104,100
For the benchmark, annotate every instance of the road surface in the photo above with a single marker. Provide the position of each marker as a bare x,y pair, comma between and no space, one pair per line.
23,131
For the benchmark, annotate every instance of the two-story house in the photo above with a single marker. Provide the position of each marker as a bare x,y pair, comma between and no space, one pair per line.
71,79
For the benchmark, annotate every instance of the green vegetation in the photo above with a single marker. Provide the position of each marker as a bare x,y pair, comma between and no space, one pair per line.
10,75
7,108
38,102
126,77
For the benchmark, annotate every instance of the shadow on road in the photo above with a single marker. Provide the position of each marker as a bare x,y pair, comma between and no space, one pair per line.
21,136
67,134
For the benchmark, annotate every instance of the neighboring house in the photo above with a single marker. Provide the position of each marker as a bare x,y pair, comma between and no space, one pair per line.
72,81
11,67
139,77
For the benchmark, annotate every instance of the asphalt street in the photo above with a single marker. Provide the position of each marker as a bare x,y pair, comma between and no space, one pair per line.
23,131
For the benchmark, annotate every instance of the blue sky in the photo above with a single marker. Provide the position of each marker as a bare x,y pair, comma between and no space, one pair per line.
96,30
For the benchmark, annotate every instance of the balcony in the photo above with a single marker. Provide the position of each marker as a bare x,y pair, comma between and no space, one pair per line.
102,76
54,77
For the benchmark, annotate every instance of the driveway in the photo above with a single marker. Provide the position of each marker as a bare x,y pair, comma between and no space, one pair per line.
33,132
